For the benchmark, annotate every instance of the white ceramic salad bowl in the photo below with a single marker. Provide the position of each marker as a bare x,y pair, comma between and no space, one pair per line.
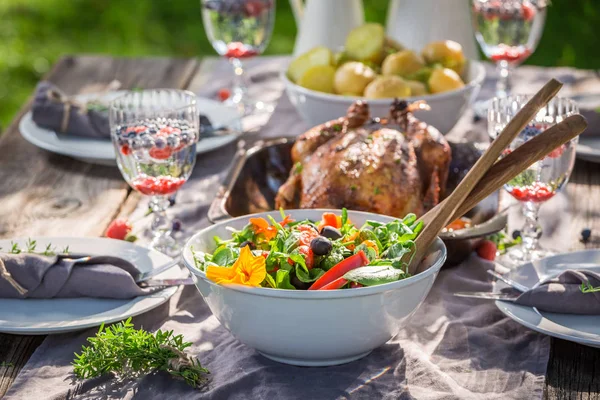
312,328
446,108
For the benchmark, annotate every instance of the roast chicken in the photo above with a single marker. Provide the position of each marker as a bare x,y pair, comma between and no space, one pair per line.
393,166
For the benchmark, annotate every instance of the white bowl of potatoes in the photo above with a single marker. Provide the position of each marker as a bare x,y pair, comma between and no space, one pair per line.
322,84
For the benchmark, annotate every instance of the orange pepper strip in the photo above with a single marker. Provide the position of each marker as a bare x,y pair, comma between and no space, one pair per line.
329,219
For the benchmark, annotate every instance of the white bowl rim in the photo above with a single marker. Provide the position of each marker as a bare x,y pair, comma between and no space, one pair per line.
314,294
338,98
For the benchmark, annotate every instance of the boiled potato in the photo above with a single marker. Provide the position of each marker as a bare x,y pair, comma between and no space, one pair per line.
317,56
352,78
366,43
386,87
403,63
443,80
446,52
319,77
417,88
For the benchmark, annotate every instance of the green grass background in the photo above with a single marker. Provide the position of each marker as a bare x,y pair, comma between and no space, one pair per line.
35,33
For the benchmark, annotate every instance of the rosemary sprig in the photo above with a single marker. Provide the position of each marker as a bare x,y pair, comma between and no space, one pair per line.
31,246
128,352
587,287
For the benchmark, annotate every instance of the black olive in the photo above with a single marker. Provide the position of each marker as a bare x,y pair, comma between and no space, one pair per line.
298,284
248,243
331,233
321,246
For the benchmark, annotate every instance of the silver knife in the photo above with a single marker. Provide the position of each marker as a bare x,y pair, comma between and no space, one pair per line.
488,296
147,275
166,282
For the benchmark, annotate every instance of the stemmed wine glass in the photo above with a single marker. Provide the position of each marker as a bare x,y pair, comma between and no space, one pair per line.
508,32
155,134
542,180
237,30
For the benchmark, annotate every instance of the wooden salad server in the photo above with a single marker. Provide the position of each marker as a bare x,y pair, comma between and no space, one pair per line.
437,218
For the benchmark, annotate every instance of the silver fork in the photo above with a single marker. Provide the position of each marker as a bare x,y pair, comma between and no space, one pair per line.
508,281
141,277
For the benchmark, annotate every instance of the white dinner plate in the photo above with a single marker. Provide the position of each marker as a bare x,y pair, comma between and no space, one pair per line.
588,149
47,316
101,151
584,329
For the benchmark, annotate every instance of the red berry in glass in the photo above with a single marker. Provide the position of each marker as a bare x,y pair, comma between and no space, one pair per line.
238,30
155,134
542,180
508,31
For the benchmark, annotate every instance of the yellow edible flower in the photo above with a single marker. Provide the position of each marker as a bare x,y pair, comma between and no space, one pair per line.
247,270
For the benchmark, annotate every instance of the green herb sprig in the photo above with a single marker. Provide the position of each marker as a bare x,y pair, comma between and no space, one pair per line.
129,352
587,287
31,247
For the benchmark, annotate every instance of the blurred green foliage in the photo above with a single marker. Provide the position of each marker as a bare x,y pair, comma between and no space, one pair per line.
36,33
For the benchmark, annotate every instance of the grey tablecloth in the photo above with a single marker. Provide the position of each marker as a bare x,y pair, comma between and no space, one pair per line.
453,348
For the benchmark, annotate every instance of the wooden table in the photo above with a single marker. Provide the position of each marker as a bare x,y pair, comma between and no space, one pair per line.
46,194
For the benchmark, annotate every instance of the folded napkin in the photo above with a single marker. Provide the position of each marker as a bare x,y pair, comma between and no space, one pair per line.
54,110
42,277
569,293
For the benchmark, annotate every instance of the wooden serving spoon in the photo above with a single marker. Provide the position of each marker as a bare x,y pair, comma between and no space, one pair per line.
435,220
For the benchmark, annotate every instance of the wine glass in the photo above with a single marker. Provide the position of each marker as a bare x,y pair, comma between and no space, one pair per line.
542,180
155,134
508,32
237,30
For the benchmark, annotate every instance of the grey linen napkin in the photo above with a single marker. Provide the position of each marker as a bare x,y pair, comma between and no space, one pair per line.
564,294
46,277
52,109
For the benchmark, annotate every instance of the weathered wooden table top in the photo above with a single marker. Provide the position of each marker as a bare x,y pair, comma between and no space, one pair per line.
45,194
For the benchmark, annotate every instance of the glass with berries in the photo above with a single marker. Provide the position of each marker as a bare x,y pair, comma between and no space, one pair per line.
542,180
508,32
238,30
155,134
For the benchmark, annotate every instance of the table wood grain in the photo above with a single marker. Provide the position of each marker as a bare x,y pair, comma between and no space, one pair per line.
46,194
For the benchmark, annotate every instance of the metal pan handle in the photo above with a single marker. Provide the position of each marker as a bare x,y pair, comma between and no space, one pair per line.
217,211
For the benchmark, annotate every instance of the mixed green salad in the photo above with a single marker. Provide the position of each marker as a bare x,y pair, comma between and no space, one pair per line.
312,255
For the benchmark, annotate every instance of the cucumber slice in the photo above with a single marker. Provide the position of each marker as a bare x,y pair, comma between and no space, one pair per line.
317,56
366,43
319,78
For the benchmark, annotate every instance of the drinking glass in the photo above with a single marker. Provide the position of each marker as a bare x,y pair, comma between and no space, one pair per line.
237,30
508,32
542,180
155,134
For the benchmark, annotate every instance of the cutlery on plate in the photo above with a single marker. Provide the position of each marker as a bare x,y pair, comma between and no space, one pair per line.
144,276
219,130
508,281
437,218
141,277
488,296
166,282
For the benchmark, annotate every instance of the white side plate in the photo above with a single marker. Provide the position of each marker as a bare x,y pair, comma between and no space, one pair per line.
98,151
46,316
584,329
588,149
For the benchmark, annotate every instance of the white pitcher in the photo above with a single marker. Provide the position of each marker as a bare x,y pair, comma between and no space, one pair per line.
414,23
325,22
